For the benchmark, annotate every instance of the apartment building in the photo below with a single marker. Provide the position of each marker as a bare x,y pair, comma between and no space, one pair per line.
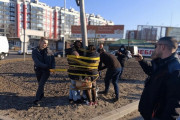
34,19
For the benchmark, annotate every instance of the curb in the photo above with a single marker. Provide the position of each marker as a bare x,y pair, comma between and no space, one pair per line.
5,118
118,113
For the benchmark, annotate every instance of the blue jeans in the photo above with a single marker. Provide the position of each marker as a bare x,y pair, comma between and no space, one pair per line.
122,68
114,76
74,94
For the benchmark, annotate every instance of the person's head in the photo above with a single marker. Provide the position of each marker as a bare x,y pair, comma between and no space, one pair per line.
101,45
91,48
101,51
77,44
43,43
165,47
122,48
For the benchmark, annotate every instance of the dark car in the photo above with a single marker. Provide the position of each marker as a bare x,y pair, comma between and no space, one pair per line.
58,54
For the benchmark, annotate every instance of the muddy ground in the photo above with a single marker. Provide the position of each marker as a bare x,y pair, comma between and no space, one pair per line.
18,86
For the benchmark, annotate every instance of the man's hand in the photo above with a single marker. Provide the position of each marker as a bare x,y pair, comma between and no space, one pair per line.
120,53
138,57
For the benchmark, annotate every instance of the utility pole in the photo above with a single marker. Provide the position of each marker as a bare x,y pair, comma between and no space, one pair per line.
24,44
25,13
64,40
83,22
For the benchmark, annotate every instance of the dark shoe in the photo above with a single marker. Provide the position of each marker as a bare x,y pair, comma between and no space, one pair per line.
78,101
83,100
103,92
70,100
36,103
115,99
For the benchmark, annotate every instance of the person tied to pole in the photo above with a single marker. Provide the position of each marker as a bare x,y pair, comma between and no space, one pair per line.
161,96
74,95
44,60
91,93
83,72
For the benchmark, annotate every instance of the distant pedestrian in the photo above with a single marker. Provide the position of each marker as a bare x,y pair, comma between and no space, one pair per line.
101,47
113,72
43,61
122,56
160,99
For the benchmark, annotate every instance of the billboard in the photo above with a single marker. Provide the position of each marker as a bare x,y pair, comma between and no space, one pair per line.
95,31
145,51
174,32
148,34
131,34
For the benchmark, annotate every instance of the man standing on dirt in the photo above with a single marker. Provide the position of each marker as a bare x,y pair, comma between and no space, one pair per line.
122,56
43,61
161,96
113,72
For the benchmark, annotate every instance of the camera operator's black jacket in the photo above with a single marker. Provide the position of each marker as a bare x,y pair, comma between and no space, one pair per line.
43,59
122,57
161,94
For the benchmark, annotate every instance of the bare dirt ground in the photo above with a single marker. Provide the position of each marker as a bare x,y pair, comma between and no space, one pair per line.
132,116
18,86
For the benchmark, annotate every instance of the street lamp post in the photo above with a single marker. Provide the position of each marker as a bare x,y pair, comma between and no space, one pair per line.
25,13
83,22
24,44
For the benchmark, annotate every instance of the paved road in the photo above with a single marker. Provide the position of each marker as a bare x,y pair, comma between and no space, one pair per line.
13,54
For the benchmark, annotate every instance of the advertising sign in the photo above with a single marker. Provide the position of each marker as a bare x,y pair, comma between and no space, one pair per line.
108,31
145,51
175,32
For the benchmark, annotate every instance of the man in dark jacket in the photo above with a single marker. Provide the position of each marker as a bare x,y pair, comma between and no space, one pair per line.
161,96
122,56
113,72
43,61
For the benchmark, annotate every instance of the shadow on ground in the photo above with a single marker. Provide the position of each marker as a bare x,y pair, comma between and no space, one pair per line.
12,100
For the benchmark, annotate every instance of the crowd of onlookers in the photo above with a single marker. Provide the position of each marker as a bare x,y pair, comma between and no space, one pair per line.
160,99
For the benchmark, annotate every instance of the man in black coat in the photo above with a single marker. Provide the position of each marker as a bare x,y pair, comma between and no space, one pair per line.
43,61
113,72
161,95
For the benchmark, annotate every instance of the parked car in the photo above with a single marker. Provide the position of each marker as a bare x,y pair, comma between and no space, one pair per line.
4,47
58,54
114,52
28,52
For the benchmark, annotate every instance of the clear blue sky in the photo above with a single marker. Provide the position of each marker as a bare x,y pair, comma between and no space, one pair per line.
130,12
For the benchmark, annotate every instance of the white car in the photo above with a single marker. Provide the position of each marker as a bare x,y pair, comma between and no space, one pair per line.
4,47
114,52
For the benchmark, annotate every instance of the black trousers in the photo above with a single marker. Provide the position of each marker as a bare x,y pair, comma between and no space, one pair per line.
42,77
